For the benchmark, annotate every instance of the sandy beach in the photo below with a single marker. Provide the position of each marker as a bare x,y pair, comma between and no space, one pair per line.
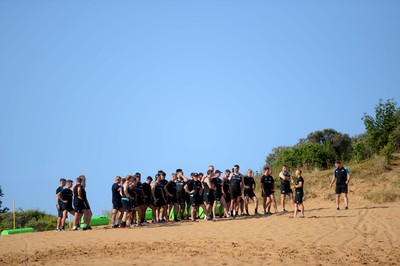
365,234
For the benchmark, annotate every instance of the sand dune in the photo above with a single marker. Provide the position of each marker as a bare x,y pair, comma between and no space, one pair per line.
365,234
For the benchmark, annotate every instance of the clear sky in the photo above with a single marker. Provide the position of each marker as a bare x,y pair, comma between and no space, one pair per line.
106,88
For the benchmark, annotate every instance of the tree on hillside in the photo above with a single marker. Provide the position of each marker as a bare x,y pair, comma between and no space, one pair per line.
338,143
1,202
383,125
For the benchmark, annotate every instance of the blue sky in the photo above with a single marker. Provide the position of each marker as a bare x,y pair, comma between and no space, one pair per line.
106,88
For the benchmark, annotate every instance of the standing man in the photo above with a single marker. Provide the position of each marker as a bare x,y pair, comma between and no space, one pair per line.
66,198
180,191
285,186
299,193
342,177
267,182
116,202
237,184
59,203
172,197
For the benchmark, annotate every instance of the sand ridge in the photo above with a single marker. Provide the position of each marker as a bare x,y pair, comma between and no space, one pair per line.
365,234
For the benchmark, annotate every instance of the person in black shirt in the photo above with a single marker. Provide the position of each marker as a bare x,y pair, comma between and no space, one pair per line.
157,190
237,183
268,189
164,182
59,203
126,198
172,199
66,198
249,187
78,202
181,181
218,196
342,177
226,190
285,186
116,202
139,205
208,195
299,192
148,198
194,189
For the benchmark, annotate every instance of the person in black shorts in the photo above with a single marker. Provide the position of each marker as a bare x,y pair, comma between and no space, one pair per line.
148,198
268,189
157,190
126,200
237,183
116,202
194,189
218,198
285,186
299,193
180,181
66,198
249,187
78,203
226,190
139,206
208,195
59,203
164,182
341,175
172,199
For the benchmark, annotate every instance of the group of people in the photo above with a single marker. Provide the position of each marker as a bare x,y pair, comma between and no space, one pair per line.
71,198
219,196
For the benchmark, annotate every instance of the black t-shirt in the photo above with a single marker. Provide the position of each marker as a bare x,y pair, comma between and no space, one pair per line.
249,181
158,190
298,180
285,183
66,194
236,180
197,187
267,183
341,176
206,187
190,184
146,190
138,189
58,190
218,185
116,196
227,185
171,188
180,183
164,182
76,192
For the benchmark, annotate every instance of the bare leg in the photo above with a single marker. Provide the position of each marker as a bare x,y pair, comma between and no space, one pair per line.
346,200
283,201
337,200
295,210
255,199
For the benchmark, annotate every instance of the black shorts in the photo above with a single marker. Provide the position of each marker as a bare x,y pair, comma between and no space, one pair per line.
217,195
86,205
187,199
286,190
227,197
208,197
171,200
127,205
249,193
60,211
67,207
148,201
117,204
236,193
139,201
268,193
78,205
195,200
341,189
159,202
181,198
298,198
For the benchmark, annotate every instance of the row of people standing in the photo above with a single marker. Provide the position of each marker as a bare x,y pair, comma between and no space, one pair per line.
185,196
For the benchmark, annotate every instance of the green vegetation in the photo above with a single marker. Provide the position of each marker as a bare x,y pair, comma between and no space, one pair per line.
36,219
1,202
321,148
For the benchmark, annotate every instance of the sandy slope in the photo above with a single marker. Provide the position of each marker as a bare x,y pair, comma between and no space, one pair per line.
365,234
